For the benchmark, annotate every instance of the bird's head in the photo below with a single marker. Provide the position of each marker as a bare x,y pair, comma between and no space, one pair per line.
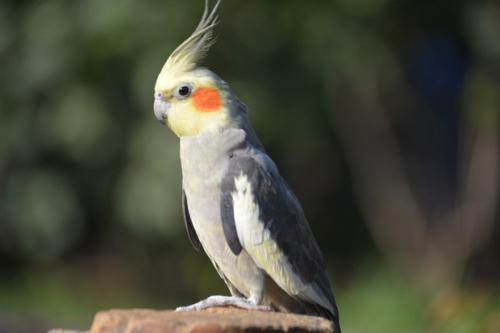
190,99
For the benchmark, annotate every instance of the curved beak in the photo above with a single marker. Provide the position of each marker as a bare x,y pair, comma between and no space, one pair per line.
161,109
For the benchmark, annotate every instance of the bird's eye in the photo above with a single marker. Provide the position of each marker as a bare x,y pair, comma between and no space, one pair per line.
183,91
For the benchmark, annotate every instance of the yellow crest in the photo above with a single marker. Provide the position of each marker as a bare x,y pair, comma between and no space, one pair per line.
187,55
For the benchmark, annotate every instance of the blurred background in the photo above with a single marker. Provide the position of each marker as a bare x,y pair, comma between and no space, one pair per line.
383,115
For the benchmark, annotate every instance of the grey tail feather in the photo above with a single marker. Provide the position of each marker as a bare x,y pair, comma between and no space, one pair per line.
317,310
324,286
334,318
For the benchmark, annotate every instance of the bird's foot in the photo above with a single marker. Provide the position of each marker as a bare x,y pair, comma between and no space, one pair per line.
214,301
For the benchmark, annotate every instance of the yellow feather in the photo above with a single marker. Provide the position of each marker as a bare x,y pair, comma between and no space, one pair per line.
187,55
190,121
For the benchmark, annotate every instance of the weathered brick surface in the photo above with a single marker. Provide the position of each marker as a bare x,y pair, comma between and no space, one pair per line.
215,320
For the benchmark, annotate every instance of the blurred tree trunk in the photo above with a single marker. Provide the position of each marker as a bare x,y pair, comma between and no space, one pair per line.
427,248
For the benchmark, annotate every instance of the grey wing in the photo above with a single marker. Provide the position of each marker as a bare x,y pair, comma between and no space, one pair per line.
270,225
193,237
227,217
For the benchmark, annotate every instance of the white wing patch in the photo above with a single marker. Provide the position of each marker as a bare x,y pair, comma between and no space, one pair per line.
246,214
257,241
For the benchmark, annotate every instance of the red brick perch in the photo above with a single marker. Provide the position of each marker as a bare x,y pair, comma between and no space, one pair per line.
214,320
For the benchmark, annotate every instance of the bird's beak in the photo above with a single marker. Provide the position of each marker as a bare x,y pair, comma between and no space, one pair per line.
161,108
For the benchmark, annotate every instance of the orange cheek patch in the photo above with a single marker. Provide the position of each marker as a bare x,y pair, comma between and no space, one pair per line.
207,99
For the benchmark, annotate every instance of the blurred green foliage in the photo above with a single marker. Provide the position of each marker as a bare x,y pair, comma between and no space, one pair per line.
370,109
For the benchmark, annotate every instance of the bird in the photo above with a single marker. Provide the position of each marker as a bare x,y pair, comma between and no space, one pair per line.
236,205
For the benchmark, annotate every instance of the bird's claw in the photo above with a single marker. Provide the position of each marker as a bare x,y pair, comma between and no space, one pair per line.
221,301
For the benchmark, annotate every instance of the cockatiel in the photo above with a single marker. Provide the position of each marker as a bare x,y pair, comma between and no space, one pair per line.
236,205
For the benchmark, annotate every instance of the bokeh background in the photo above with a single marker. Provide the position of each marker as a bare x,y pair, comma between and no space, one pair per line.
383,115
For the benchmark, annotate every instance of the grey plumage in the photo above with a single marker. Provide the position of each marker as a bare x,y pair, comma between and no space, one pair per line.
211,165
